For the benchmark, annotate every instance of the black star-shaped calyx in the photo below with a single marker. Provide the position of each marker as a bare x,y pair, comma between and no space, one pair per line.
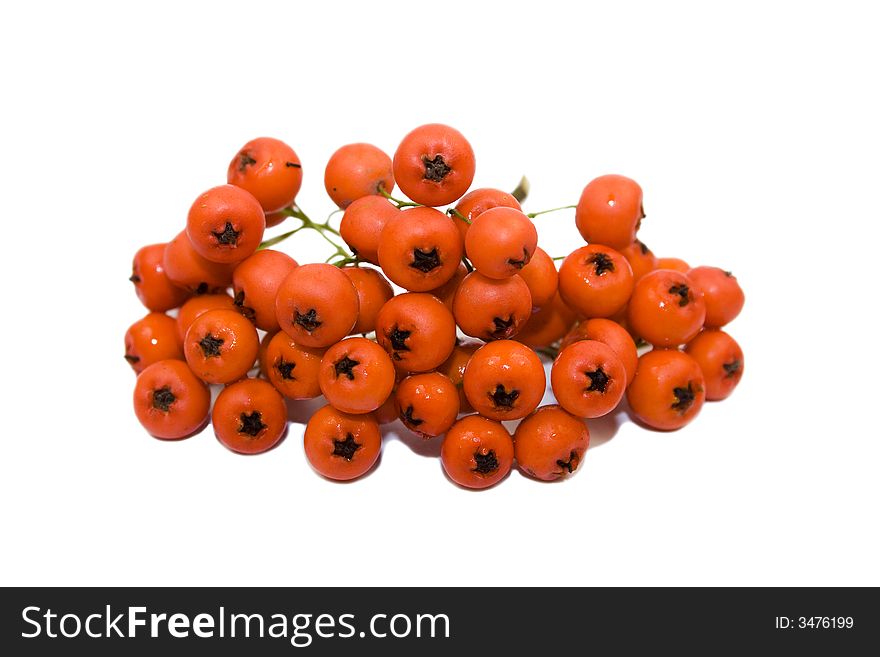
345,366
683,292
345,448
731,368
436,169
285,368
598,380
244,161
602,263
251,423
503,327
486,463
247,311
228,235
522,262
684,398
425,261
408,418
571,464
210,345
502,398
163,398
308,321
398,338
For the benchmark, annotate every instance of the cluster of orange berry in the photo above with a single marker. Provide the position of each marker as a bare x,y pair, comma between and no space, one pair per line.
338,329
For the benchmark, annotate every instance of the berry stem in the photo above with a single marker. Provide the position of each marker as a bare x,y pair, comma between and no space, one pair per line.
296,211
398,202
265,244
532,215
454,212
344,257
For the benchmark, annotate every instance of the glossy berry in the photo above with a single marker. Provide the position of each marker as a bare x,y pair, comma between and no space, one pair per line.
609,211
416,330
355,171
504,380
151,339
151,284
255,282
595,281
612,334
199,305
221,346
477,201
477,452
362,224
550,443
356,375
721,360
588,379
293,369
170,401
668,390
317,305
187,269
225,224
434,165
268,169
420,249
491,308
721,293
500,242
428,404
249,416
342,446
666,309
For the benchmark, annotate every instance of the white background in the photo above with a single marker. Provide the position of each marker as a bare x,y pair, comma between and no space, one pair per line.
752,129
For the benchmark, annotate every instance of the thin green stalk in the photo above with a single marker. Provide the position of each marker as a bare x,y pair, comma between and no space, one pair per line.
279,238
532,215
453,211
398,202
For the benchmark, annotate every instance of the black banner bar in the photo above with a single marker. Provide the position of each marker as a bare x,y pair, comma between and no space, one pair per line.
329,621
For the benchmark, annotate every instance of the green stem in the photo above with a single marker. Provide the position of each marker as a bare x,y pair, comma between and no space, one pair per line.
278,238
532,215
559,258
453,211
398,202
321,228
344,262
